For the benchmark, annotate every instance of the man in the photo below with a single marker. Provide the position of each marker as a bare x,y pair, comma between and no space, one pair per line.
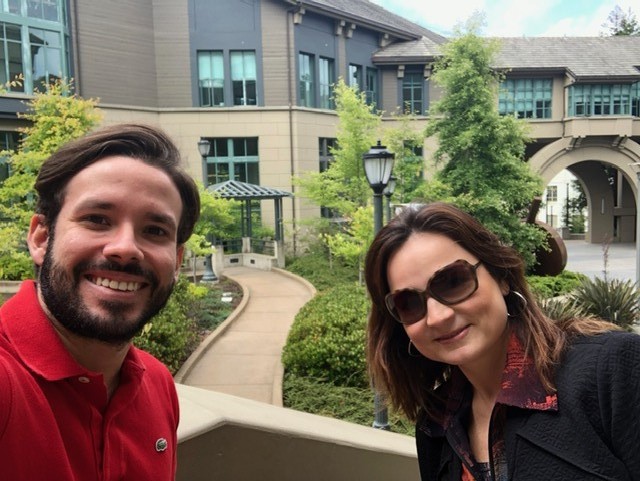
77,400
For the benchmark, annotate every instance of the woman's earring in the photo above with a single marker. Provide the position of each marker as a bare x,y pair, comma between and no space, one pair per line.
522,300
409,350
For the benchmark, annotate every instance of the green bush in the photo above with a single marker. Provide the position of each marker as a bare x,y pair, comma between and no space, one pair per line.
327,338
16,266
614,300
314,266
171,334
544,287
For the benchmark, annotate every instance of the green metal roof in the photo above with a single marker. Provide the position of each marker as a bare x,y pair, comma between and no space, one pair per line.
232,189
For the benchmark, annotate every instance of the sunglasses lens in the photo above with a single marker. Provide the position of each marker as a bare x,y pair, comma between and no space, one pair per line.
454,283
408,306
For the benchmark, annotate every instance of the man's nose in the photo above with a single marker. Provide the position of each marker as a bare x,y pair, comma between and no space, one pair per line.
123,245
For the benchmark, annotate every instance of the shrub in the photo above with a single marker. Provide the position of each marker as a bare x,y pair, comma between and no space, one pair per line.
171,334
314,266
613,300
544,287
327,338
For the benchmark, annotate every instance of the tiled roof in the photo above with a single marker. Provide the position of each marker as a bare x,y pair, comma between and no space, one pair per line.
364,12
583,57
420,50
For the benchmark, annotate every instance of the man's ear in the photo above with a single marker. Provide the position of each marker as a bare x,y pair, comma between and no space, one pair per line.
179,256
38,238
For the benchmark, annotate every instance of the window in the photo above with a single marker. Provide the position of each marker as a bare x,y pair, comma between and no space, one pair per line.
635,99
33,43
211,78
325,146
601,99
42,9
243,77
11,55
412,93
355,76
233,159
307,74
526,98
8,142
46,57
552,193
372,86
326,74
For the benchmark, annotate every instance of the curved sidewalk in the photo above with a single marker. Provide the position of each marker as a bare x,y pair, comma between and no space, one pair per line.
242,356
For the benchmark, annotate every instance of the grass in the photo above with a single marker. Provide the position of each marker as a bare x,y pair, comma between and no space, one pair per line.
350,404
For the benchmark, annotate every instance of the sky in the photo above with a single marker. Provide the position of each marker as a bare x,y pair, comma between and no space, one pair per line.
514,18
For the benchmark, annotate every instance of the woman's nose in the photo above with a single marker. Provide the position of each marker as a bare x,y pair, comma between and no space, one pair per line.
437,312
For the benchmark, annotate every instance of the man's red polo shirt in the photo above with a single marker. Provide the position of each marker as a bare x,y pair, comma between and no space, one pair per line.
55,421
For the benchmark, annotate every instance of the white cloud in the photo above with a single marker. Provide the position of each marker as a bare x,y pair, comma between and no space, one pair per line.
512,17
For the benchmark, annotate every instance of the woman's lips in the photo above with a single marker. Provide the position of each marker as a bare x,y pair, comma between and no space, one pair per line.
453,336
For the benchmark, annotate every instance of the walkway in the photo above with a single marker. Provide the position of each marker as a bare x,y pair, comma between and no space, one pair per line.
242,357
589,259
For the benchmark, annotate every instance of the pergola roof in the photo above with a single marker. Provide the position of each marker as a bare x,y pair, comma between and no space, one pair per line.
232,189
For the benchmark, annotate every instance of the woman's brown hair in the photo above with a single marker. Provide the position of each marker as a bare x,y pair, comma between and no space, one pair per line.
409,381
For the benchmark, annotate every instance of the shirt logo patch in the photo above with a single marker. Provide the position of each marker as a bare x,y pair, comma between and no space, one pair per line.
161,445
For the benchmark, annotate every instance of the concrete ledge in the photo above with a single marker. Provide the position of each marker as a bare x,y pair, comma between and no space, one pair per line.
9,287
227,437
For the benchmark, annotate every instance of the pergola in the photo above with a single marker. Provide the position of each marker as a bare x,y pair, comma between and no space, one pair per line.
232,189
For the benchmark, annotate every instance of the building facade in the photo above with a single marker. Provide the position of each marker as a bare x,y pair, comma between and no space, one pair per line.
254,77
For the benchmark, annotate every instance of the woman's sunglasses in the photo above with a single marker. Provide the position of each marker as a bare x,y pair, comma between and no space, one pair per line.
450,285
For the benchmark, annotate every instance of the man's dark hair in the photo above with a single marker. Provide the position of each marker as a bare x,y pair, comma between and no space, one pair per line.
145,143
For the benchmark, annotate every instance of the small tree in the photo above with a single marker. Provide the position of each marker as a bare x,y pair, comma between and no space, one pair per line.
406,142
343,187
216,222
481,153
620,23
56,116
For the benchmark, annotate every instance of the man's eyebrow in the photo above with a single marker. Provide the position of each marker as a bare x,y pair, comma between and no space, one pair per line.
167,220
158,217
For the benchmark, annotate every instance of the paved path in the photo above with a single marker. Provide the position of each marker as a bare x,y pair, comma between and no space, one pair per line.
589,259
242,357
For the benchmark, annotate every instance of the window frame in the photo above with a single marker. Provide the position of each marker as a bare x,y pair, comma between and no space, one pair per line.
412,82
244,82
306,79
215,91
526,98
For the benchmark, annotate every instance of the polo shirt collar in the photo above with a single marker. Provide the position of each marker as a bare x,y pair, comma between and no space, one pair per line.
36,342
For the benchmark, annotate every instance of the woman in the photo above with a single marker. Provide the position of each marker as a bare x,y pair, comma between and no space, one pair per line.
497,390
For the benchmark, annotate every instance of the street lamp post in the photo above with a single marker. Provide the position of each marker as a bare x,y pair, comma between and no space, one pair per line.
388,192
378,164
203,147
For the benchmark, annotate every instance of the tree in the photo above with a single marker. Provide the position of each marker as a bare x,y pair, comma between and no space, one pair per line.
406,142
343,187
481,153
56,116
620,23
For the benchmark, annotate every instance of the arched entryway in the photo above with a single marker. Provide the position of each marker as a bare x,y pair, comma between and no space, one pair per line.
611,203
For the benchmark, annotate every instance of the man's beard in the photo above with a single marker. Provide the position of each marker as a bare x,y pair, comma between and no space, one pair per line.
62,298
